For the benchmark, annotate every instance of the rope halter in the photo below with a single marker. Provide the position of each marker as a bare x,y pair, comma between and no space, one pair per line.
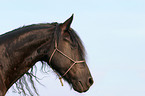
63,54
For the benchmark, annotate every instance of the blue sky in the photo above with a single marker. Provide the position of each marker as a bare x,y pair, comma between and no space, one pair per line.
113,32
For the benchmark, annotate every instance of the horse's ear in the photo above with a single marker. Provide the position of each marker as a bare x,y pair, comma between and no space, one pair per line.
66,25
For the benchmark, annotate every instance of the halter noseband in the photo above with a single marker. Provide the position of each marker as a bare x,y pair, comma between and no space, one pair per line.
56,49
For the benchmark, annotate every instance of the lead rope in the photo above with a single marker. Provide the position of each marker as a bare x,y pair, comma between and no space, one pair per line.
74,62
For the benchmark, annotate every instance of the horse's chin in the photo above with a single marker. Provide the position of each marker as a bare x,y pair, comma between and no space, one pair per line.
79,86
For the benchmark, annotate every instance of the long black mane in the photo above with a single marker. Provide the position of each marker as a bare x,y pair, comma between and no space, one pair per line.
22,85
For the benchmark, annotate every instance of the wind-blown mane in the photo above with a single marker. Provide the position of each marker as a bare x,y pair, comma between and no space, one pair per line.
22,85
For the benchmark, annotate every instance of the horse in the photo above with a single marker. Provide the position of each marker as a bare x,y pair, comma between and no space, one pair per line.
57,44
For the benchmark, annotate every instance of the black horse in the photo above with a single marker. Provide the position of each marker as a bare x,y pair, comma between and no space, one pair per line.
56,44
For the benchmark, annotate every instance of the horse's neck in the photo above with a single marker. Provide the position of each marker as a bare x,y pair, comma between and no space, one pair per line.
2,85
21,54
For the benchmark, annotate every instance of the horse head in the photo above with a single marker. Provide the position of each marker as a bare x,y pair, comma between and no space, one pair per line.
67,57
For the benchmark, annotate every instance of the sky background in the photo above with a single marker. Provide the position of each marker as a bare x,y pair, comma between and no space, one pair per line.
113,33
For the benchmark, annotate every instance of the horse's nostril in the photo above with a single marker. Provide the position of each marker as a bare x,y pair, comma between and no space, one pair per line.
91,81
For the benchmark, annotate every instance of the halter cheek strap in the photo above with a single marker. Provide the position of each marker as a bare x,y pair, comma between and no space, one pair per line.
63,54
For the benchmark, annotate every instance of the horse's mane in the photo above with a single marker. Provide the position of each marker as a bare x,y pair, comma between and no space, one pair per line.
22,85
26,85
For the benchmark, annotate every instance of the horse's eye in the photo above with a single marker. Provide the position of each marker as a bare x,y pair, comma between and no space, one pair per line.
67,38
